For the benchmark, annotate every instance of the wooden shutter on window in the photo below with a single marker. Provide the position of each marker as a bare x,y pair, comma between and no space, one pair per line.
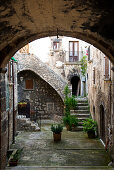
29,84
106,68
94,76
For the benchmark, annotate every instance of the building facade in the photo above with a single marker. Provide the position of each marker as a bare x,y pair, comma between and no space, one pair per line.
101,94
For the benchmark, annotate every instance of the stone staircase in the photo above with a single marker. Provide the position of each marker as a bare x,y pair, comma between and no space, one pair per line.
24,124
81,112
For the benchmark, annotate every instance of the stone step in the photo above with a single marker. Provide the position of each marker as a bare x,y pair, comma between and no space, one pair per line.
20,167
82,101
26,124
79,111
82,104
82,108
78,128
81,115
81,119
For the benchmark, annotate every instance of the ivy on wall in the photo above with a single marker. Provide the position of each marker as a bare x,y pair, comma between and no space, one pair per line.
84,65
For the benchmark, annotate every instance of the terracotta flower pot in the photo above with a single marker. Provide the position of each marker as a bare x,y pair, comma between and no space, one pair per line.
57,137
13,163
68,127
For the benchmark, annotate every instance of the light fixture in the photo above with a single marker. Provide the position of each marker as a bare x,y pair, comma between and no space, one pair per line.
21,78
57,34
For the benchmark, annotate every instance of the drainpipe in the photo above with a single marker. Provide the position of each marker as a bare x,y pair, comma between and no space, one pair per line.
13,102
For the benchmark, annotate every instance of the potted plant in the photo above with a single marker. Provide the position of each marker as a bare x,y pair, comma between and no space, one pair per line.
13,160
70,121
57,129
90,126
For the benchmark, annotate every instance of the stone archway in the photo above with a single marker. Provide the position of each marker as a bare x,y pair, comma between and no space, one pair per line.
24,21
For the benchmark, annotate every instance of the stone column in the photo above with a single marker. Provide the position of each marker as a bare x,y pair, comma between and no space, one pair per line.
3,120
112,113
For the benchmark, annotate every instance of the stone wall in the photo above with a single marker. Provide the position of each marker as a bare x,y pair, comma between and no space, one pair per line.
7,130
100,93
43,98
3,121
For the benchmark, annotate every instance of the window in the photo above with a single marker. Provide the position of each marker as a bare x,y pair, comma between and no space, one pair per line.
107,68
55,45
73,51
29,84
50,106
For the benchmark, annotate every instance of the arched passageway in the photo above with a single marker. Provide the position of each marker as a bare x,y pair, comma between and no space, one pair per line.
75,81
102,123
24,21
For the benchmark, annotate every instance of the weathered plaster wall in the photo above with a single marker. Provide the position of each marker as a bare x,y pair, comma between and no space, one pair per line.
43,98
101,93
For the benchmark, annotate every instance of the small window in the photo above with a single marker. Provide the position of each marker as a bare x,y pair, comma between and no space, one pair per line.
50,106
29,84
55,45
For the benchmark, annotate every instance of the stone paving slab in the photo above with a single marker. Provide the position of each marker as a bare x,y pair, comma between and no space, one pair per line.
74,150
64,157
60,168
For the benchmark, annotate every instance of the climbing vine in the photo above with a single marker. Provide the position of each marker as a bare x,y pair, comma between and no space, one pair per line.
84,65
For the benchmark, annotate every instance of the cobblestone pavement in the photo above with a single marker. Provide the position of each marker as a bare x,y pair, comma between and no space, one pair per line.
75,151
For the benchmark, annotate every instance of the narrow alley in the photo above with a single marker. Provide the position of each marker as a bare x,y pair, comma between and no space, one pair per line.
74,151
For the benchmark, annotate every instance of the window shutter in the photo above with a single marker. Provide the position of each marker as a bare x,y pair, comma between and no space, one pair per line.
29,84
94,76
106,68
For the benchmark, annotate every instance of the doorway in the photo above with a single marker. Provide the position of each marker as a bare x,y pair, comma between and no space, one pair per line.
75,81
102,123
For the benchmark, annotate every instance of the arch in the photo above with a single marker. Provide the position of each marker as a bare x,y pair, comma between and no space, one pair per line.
75,81
102,123
42,70
23,22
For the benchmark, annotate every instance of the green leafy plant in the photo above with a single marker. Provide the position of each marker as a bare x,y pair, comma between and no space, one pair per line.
70,121
84,65
16,156
66,91
69,102
57,128
89,125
